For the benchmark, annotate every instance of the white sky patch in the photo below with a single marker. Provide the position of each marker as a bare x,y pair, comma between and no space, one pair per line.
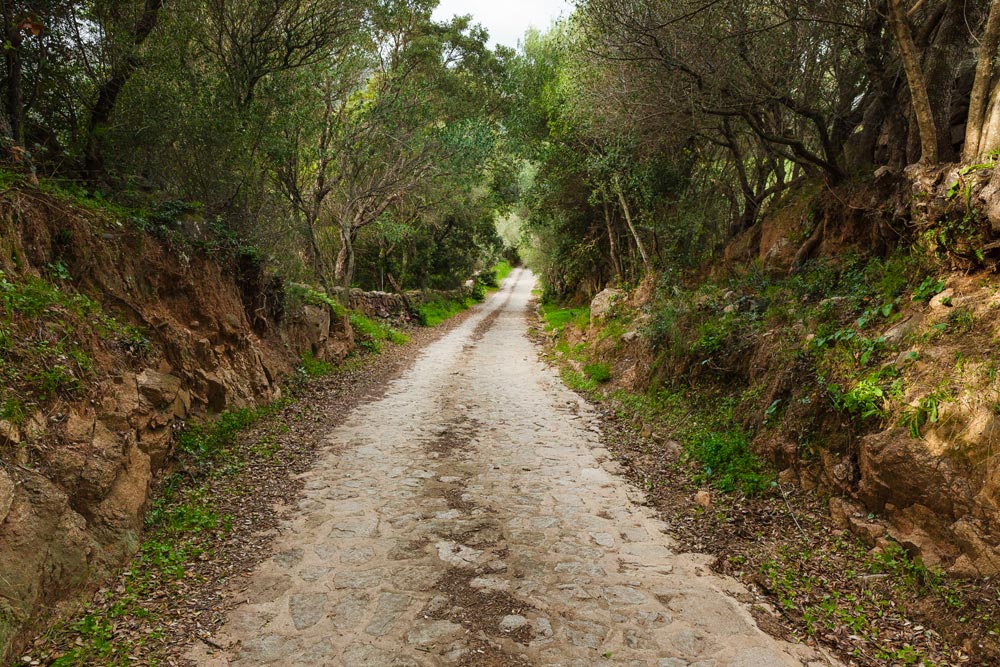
507,20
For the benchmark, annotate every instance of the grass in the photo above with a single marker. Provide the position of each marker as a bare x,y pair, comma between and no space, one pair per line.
502,270
313,367
557,318
704,428
436,310
373,333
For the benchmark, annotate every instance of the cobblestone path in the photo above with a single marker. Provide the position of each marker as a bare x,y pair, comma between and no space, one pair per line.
471,517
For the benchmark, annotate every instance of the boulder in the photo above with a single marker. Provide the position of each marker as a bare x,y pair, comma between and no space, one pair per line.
602,303
989,200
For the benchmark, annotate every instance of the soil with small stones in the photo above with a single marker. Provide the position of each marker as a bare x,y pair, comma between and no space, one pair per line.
193,608
792,526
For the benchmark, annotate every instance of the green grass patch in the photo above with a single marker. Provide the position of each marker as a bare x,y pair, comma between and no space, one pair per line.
727,462
313,367
436,310
502,270
599,373
373,333
558,318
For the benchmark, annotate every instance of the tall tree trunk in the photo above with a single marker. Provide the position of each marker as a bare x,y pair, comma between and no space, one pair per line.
616,266
15,84
978,103
631,227
344,268
917,82
111,88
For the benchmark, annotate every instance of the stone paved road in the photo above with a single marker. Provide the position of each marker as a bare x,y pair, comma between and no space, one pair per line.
471,517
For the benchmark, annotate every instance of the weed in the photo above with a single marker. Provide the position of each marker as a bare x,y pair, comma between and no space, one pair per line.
374,333
926,411
13,410
727,461
928,289
313,367
599,373
870,395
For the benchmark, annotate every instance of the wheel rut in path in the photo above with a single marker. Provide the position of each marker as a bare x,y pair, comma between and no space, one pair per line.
471,517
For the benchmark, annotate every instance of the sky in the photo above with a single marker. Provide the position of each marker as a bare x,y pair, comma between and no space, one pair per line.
507,20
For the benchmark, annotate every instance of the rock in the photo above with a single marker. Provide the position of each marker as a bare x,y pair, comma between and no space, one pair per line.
868,531
964,568
840,512
630,337
602,304
160,389
942,300
216,392
512,623
7,488
390,607
79,428
122,508
10,434
432,632
182,404
989,201
971,539
307,609
703,498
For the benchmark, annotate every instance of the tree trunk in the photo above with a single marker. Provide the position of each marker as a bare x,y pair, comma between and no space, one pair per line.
917,82
344,269
15,85
978,103
111,88
616,266
631,227
320,264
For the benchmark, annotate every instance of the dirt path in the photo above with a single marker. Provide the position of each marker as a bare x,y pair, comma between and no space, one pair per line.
471,517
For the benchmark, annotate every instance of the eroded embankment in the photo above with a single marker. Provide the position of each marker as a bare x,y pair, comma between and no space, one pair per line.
112,336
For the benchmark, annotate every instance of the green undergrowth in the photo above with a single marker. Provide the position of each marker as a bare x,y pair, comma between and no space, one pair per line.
437,309
372,334
704,428
558,317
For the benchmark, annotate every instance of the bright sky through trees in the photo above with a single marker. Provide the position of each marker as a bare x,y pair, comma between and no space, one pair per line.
507,20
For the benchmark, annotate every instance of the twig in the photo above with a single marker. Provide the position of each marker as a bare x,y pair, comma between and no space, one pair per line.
212,643
784,497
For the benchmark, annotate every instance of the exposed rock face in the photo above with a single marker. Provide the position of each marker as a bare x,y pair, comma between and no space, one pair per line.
601,305
75,481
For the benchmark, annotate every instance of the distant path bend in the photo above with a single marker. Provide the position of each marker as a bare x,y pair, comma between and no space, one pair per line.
472,517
